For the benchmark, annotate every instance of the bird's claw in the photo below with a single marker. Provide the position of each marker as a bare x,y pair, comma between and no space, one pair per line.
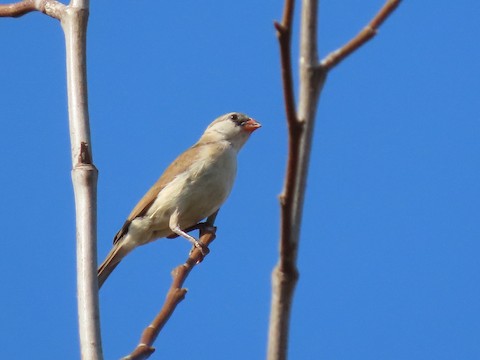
203,249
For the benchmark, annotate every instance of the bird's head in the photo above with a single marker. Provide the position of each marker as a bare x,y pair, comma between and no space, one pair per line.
233,127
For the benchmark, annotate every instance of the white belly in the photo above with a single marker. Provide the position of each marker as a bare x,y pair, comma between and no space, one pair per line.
197,193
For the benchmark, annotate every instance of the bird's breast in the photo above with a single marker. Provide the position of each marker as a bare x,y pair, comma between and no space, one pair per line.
200,190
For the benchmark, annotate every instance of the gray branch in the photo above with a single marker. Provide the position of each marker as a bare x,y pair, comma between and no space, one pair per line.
74,19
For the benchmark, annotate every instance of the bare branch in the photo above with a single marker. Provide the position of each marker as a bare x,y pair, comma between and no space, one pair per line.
84,176
284,34
17,9
366,34
301,125
74,19
51,8
175,294
285,274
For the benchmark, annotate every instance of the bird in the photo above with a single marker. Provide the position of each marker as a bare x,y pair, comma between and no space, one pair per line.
192,188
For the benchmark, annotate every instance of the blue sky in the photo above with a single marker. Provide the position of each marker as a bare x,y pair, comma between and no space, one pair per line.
390,240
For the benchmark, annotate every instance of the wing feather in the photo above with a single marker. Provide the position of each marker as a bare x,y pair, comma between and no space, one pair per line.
178,166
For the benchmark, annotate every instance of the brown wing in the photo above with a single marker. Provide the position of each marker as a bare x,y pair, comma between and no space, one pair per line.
178,166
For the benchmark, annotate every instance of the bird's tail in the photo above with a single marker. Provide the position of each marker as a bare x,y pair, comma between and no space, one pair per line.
113,258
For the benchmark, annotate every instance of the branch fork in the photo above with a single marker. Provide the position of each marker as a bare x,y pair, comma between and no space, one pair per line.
300,123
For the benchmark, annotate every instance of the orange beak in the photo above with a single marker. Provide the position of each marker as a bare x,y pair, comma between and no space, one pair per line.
251,125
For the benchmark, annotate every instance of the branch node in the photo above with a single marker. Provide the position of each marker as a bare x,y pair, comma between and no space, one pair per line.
369,30
278,26
51,8
85,157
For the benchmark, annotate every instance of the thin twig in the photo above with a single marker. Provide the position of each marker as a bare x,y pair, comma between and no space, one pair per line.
175,294
284,34
366,34
17,9
51,8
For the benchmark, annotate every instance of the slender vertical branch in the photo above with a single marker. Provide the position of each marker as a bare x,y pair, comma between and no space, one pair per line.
74,19
301,126
84,176
312,79
285,275
284,35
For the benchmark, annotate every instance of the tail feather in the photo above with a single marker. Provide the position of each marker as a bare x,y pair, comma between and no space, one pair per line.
112,260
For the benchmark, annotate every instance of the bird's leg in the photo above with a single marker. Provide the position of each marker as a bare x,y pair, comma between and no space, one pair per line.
175,227
190,238
187,230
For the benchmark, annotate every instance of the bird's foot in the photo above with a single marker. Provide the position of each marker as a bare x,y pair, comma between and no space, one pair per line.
203,249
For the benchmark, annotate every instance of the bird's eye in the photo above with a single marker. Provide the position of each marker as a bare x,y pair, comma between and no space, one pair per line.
238,120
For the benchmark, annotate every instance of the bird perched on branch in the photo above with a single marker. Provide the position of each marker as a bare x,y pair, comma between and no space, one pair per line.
192,188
